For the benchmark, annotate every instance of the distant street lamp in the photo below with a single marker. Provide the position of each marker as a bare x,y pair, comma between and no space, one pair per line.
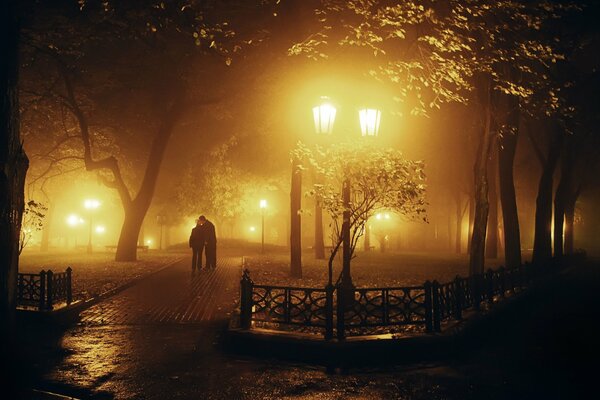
73,220
160,220
100,229
91,205
263,206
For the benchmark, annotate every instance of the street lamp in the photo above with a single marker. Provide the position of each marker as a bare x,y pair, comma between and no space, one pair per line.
91,205
324,116
263,205
73,220
369,125
369,121
160,220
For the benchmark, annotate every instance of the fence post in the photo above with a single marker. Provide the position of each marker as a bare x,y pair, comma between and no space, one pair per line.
329,311
69,289
490,285
385,301
287,295
502,281
458,298
245,300
476,290
435,291
49,290
42,304
20,287
428,307
341,307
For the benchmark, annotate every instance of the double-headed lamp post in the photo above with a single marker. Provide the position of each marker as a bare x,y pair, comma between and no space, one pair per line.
90,205
263,206
370,119
324,118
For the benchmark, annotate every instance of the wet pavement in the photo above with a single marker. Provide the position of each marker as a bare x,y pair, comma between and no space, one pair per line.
162,340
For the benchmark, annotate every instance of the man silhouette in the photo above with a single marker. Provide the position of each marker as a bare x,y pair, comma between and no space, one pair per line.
210,237
197,243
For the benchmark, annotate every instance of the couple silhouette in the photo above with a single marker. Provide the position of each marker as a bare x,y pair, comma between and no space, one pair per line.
203,237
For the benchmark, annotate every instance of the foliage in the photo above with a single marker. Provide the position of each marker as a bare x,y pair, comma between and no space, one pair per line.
436,51
33,221
217,188
379,179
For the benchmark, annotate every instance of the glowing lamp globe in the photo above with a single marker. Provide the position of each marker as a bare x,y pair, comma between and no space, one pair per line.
369,121
324,116
91,204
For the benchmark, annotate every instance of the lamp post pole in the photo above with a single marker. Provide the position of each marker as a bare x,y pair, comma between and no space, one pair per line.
263,207
295,227
91,205
89,245
346,250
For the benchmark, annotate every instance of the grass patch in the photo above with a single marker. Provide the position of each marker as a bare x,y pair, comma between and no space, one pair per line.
94,274
369,269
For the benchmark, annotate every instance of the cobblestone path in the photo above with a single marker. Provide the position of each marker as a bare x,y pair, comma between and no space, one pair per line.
174,296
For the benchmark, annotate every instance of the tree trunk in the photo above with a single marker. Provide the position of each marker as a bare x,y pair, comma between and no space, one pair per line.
295,221
562,193
542,241
491,247
569,220
44,243
459,218
507,146
13,167
141,236
477,251
367,236
130,230
319,243
471,221
136,209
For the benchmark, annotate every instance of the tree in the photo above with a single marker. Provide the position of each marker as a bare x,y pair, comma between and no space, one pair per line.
164,43
13,167
448,52
218,188
33,221
378,179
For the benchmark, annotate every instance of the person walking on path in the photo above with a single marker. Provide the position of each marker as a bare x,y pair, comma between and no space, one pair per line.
197,243
211,242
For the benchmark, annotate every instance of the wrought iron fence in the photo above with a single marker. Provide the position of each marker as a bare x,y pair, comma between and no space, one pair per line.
387,306
341,309
44,290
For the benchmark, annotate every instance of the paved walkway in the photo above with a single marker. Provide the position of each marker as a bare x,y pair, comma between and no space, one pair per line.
160,340
174,296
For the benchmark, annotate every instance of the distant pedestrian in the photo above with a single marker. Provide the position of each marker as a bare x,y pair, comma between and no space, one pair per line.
210,237
197,243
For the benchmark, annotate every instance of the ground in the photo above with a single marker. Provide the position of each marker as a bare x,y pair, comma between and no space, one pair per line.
162,339
97,273
369,269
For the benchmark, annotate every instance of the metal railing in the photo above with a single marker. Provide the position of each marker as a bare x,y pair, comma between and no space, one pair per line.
342,311
45,289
